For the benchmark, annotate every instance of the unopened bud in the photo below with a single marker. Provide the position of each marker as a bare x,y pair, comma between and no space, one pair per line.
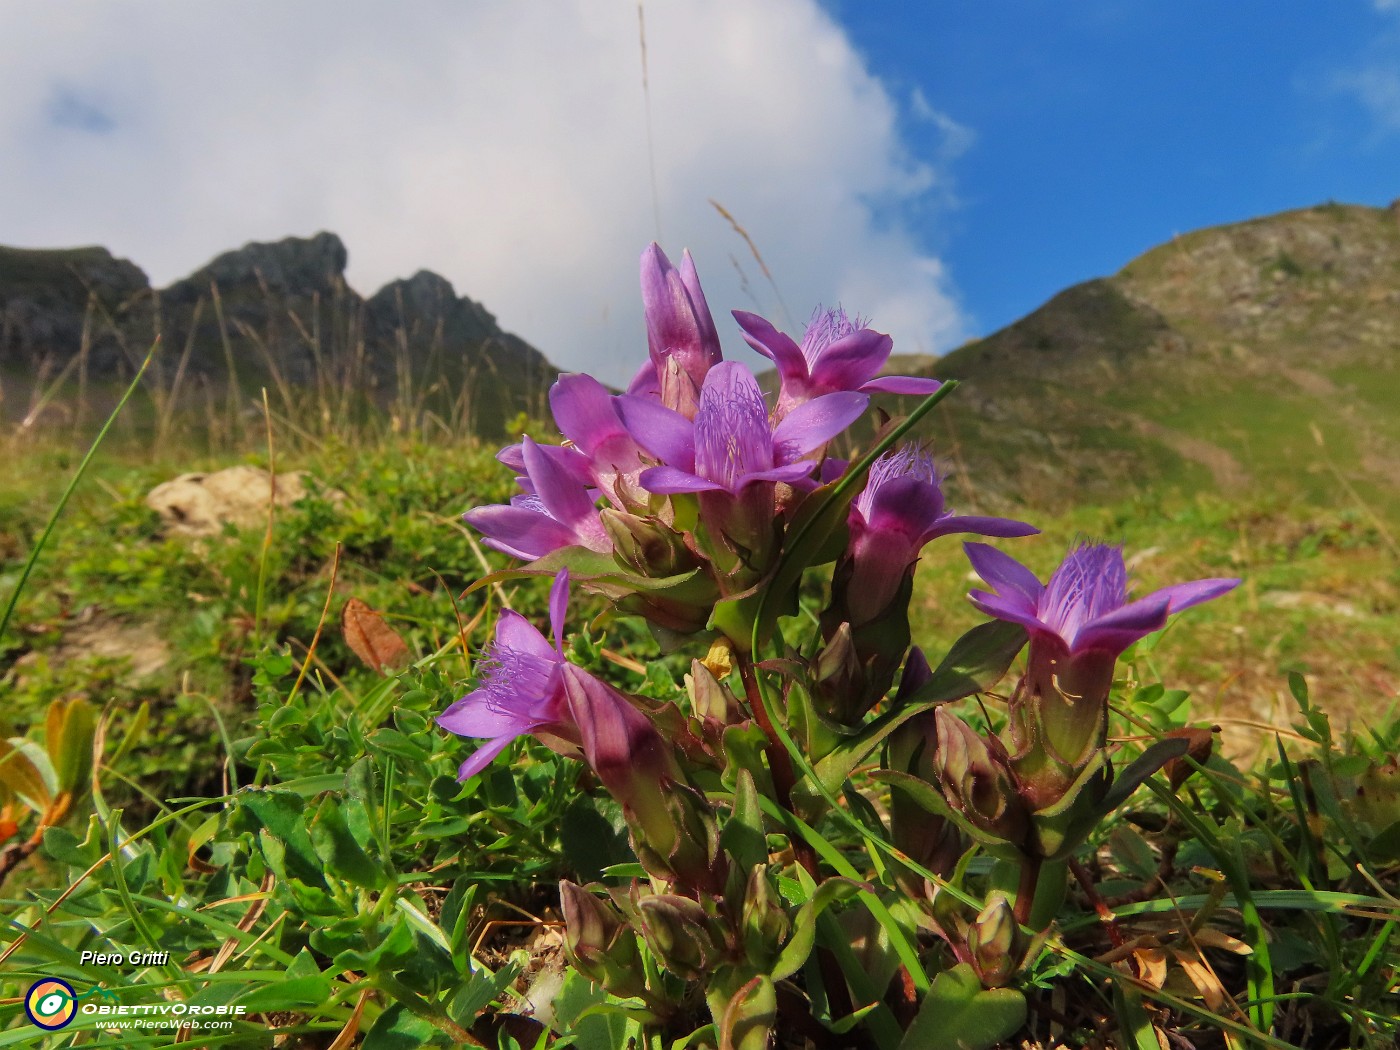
646,545
597,942
976,779
677,930
996,943
765,923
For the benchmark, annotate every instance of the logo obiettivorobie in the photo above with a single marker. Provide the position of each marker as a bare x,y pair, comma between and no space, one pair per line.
51,1004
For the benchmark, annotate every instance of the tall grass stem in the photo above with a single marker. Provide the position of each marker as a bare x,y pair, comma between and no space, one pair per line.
43,540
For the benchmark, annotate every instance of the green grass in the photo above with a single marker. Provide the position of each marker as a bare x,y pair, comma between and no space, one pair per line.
360,875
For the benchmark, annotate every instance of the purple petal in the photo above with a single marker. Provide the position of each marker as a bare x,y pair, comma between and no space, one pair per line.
815,422
667,481
559,608
916,672
705,322
520,532
777,346
1117,630
1003,528
513,456
910,386
475,716
667,435
849,362
788,473
1184,595
518,634
1003,608
645,383
583,410
1011,579
484,756
911,505
559,489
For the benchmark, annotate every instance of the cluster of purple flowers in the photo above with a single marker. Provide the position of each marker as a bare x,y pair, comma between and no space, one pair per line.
680,499
691,468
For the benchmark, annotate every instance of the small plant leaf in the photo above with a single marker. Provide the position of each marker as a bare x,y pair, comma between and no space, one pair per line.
959,1014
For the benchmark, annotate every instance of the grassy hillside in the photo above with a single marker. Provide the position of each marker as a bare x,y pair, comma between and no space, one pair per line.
1259,357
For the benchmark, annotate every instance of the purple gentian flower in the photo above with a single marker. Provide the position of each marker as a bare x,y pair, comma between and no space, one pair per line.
556,509
900,510
731,444
681,334
1079,624
1085,605
586,415
522,688
837,353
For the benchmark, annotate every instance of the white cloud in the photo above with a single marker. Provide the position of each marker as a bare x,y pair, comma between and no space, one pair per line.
1378,91
501,144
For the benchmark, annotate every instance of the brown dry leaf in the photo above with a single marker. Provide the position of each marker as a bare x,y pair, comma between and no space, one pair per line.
374,641
1200,743
1203,977
1151,966
1213,938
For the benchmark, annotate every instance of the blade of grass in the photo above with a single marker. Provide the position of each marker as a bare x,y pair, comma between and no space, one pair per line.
68,492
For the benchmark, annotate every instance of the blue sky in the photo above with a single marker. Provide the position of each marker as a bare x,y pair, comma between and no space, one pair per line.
940,167
1101,128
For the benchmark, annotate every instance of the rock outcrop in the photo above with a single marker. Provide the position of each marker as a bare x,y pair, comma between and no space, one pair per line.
278,315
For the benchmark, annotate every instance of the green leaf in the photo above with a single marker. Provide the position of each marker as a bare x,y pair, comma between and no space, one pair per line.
1152,759
593,835
743,838
804,926
959,1014
282,816
305,985
385,948
399,1029
340,850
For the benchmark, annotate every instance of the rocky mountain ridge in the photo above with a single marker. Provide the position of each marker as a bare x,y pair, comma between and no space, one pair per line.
278,314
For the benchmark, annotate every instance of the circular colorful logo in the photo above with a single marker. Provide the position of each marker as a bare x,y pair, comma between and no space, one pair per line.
50,1003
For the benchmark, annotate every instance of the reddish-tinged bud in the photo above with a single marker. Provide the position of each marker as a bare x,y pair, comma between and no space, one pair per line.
765,924
929,840
598,943
977,781
647,546
677,930
995,943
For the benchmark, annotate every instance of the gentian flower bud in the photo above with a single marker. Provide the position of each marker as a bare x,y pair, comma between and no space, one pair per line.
677,930
764,923
681,336
598,943
646,546
995,943
673,828
977,781
929,839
